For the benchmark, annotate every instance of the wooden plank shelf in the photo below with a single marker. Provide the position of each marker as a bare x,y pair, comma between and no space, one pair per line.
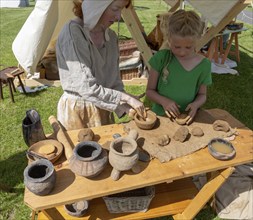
169,199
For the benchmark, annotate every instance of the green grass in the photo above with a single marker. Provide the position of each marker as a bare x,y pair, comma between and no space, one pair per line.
232,93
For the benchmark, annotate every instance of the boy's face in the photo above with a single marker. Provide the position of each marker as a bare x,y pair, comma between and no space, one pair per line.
112,13
182,47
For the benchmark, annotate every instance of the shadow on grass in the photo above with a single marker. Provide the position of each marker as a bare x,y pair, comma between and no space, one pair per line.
11,171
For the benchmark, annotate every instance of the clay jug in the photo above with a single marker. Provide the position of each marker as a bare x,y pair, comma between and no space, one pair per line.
88,159
124,155
40,177
32,128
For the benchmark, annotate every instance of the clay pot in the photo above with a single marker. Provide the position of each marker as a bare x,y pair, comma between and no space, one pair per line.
77,209
146,124
88,159
40,177
123,155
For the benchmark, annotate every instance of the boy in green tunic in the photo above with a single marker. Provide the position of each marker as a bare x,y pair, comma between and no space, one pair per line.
179,77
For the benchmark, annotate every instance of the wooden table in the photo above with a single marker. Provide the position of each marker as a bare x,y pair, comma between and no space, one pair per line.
175,193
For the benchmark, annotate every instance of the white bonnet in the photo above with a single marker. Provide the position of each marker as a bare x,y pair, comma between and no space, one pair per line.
92,11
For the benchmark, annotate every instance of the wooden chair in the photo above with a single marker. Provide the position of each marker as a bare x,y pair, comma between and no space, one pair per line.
8,75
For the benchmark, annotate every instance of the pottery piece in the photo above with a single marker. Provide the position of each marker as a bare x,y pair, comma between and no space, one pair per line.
88,159
146,124
220,125
77,209
124,155
32,128
182,119
49,149
221,149
40,177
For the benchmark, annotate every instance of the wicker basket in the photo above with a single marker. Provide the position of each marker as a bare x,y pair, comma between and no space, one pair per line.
130,74
137,200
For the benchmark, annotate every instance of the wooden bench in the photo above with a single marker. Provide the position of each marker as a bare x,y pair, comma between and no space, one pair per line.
8,75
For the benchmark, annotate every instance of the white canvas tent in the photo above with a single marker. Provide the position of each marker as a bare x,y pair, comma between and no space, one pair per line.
13,3
46,20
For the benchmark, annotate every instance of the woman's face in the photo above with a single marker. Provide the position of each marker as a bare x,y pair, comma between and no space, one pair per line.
112,13
182,47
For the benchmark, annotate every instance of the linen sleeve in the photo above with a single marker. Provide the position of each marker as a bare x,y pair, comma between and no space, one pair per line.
73,48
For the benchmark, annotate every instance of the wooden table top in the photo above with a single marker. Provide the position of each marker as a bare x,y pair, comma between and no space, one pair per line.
71,188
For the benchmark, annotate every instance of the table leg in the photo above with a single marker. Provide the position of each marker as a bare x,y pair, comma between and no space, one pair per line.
53,214
237,52
204,195
228,48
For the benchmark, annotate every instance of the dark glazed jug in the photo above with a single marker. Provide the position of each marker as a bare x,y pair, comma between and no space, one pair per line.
32,128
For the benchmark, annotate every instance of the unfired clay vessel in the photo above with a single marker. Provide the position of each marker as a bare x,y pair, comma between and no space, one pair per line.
148,123
124,155
88,159
40,177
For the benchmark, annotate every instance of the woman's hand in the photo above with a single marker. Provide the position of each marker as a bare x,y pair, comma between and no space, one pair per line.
135,104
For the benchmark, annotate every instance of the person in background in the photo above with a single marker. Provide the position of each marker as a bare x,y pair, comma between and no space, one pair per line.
179,76
88,62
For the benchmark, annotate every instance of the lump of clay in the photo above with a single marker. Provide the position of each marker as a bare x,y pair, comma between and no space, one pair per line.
197,131
163,140
220,125
181,134
85,134
182,119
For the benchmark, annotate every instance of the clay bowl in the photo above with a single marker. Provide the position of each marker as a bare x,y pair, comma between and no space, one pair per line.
182,119
49,149
145,124
77,209
221,149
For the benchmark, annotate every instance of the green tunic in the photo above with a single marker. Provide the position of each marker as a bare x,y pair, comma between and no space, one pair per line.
181,85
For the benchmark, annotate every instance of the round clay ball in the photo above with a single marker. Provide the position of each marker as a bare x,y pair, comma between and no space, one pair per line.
163,140
85,134
181,134
197,131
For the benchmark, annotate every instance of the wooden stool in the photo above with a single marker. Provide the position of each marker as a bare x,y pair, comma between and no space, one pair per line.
8,75
216,50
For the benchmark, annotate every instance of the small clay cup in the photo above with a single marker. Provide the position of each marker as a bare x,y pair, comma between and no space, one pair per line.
40,177
88,159
77,209
147,124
